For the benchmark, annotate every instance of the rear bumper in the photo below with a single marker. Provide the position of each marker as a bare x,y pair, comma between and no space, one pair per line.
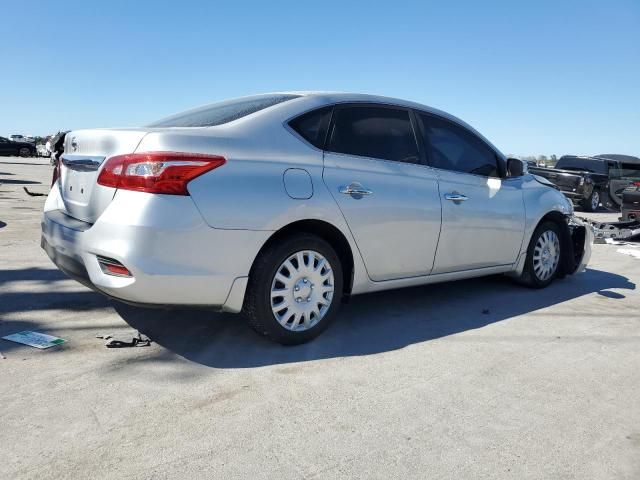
629,214
174,257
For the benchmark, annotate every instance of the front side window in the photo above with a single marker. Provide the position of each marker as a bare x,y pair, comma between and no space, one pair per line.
376,132
452,147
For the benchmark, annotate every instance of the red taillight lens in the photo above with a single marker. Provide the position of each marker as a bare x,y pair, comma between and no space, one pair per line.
637,184
157,172
111,266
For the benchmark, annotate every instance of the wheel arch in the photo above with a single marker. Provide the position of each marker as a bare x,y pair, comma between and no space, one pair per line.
566,239
328,232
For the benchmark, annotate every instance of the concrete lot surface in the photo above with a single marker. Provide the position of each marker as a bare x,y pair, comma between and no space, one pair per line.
466,380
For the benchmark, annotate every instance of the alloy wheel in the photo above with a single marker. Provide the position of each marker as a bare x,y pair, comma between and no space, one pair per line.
595,200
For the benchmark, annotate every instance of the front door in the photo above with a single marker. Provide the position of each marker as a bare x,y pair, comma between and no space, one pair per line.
389,200
483,214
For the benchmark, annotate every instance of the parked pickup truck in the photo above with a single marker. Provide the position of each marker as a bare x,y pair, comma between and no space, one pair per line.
631,202
591,181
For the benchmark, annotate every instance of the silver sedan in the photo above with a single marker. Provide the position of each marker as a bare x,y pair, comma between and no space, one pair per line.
281,205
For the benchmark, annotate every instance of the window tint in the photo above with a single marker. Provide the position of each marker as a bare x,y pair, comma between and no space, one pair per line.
312,126
376,132
452,147
223,112
582,164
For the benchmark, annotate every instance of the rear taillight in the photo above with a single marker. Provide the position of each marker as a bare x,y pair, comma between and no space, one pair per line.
637,184
157,172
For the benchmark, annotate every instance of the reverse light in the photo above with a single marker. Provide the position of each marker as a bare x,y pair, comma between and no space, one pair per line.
157,172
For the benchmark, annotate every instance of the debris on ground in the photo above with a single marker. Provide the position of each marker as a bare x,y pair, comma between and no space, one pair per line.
34,194
614,230
128,339
611,241
630,251
35,339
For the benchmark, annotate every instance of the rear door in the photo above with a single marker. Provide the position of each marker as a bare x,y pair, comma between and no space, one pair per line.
372,167
483,214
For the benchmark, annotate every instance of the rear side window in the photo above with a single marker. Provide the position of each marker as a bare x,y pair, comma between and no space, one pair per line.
312,126
452,147
376,132
582,164
223,112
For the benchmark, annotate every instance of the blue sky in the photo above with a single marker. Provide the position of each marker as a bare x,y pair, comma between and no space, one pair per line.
548,77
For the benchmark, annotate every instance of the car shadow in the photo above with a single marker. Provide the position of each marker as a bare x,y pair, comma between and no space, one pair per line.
368,324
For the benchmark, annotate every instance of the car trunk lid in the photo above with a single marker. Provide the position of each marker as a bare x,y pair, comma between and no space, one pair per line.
85,153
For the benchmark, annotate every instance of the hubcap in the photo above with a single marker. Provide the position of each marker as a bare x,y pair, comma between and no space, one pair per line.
595,200
546,255
302,290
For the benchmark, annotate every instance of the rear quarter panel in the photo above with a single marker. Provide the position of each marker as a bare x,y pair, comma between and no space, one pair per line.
248,191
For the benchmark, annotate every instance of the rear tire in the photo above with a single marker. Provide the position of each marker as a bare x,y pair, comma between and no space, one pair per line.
294,290
544,256
592,203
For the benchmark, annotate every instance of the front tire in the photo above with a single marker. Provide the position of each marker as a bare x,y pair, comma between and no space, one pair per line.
294,290
544,256
24,152
592,203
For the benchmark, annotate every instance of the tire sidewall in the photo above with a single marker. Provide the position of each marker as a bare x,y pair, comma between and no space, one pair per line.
533,279
276,257
593,195
587,202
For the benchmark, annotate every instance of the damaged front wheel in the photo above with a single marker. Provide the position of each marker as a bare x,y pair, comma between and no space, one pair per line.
543,257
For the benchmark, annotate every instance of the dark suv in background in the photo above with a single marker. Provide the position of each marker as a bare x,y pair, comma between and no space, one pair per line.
24,149
591,181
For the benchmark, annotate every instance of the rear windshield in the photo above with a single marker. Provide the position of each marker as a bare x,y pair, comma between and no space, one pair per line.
223,112
582,164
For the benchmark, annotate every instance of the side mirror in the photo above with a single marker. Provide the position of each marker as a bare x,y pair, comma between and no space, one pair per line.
516,167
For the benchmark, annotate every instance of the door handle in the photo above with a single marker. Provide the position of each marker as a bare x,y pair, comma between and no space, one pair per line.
355,189
455,197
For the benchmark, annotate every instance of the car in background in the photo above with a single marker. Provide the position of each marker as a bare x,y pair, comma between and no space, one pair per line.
281,205
591,181
22,149
626,176
17,138
41,150
631,202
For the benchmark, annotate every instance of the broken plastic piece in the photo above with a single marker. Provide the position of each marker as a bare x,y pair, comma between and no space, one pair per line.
122,340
